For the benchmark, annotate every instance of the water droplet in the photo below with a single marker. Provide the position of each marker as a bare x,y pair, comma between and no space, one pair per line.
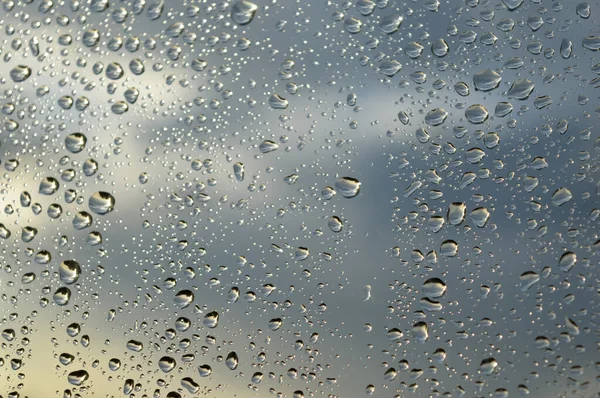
591,43
66,359
456,213
101,202
394,334
114,364
488,366
189,384
301,253
528,279
436,116
440,48
20,73
486,80
75,142
78,377
134,345
566,48
211,320
480,216
390,23
476,114
62,295
561,196
184,298
69,271
420,332
166,364
82,220
434,287
335,224
278,102
349,187
268,146
204,370
365,7
439,355
352,25
436,223
73,329
275,324
521,89
462,89
449,248
239,171
571,327
28,234
390,67
583,10
474,155
232,360
243,12
567,261
48,186
513,4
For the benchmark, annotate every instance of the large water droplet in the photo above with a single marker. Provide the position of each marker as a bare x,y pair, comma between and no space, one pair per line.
486,80
349,187
487,366
184,298
561,196
520,89
390,23
420,332
20,73
232,361
243,12
166,364
75,142
211,320
48,186
476,114
434,287
69,271
268,146
62,295
78,377
436,116
456,213
278,102
101,202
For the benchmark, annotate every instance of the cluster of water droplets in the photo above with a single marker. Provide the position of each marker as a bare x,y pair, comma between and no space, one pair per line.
245,198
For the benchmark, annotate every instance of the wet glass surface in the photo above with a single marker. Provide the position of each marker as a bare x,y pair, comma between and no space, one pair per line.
299,199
